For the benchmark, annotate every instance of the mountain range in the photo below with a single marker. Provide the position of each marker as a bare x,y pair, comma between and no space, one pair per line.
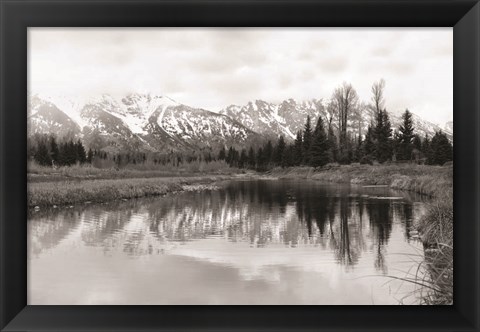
157,123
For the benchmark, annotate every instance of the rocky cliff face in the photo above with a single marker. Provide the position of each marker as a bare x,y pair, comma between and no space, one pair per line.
158,123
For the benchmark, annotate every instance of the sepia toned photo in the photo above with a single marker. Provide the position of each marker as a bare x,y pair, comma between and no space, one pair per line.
240,166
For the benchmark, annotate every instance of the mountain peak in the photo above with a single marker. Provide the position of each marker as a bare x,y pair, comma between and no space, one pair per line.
137,121
160,122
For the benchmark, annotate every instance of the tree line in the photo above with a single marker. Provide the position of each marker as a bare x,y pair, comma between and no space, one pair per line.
47,151
323,143
313,146
318,146
326,141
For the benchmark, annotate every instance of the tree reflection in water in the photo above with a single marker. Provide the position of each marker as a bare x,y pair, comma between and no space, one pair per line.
262,213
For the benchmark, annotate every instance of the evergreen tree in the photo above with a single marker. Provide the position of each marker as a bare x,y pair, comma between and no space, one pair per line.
319,154
426,145
54,152
61,153
81,155
288,158
72,153
67,153
405,137
236,157
441,149
242,162
268,153
369,143
368,147
279,151
230,156
298,148
222,154
260,158
332,144
251,158
42,155
307,141
383,134
396,147
417,142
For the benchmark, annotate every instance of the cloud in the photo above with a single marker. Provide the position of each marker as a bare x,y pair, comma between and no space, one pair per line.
335,64
215,67
382,51
285,80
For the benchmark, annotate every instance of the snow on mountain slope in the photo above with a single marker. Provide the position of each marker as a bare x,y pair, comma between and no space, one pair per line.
295,113
134,110
289,116
70,105
203,128
151,122
45,117
261,117
158,123
138,108
273,120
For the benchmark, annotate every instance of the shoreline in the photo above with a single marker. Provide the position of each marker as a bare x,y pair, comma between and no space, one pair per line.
432,181
68,193
419,179
435,228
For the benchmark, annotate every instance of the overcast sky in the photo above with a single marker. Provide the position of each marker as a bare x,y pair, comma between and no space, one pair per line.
215,67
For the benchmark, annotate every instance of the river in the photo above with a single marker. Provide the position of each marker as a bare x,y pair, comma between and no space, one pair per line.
241,242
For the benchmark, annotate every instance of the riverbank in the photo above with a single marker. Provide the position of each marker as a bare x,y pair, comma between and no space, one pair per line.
423,179
435,227
37,173
60,193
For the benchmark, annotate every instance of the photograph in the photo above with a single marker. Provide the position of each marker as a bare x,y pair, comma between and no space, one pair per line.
240,166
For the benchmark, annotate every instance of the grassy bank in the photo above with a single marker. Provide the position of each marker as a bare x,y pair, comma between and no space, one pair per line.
435,227
37,173
59,193
422,179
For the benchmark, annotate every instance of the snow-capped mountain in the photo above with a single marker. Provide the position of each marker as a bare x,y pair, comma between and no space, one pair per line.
157,123
46,117
137,121
289,116
273,120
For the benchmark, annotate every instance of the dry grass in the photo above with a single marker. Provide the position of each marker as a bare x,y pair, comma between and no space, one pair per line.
37,173
436,228
423,179
74,192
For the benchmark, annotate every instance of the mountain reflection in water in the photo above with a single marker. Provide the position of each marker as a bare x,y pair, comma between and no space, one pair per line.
299,242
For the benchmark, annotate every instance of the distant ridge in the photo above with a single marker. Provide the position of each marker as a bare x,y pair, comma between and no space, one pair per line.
158,123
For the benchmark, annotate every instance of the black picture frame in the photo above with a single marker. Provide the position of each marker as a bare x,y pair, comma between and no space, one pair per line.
17,15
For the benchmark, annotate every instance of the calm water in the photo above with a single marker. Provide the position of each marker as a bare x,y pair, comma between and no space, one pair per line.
245,242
